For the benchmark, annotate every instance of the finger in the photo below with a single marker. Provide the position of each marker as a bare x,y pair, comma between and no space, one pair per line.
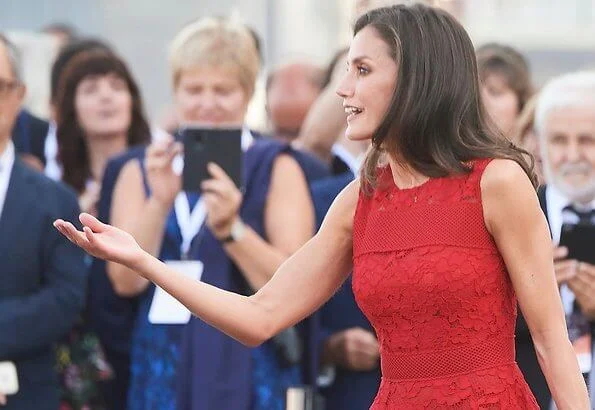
567,264
2,400
581,283
563,276
565,270
369,349
160,151
68,230
158,163
211,201
586,269
176,148
364,361
218,173
216,186
95,224
560,252
89,235
158,148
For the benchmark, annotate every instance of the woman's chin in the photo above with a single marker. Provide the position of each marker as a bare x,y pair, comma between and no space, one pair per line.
355,135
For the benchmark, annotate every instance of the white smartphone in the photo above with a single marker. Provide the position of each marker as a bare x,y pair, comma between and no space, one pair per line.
9,381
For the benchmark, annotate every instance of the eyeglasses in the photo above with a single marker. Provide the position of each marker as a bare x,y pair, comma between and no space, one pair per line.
7,87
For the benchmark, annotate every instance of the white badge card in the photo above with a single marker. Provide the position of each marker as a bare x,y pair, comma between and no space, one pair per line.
9,381
165,309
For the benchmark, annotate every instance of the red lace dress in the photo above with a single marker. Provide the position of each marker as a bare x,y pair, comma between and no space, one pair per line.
430,279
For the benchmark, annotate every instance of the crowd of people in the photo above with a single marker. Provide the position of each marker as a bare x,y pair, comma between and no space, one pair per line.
80,331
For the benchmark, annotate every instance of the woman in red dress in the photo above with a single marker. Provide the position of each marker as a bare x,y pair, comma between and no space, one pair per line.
443,231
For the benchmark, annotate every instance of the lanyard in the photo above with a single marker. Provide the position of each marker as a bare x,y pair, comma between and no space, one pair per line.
190,223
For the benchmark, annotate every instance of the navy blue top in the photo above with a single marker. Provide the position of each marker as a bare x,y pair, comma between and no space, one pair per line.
217,372
350,389
155,347
112,316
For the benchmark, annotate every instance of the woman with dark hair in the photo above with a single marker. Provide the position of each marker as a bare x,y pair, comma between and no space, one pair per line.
99,114
439,246
505,82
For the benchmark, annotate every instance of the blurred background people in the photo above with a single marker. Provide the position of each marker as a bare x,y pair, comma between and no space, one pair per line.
505,84
42,277
62,33
214,63
83,80
99,114
524,135
565,128
291,90
349,351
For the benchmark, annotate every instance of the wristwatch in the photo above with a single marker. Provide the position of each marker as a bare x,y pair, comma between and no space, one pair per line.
238,229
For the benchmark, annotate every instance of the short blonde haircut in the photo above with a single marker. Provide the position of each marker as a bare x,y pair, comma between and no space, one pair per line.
216,42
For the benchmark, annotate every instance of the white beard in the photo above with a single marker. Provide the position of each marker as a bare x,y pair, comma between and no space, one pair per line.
583,194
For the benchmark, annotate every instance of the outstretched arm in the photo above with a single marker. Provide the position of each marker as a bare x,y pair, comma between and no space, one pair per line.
299,287
514,219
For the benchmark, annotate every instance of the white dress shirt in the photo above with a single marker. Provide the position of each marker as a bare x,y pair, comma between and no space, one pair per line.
354,163
557,216
6,163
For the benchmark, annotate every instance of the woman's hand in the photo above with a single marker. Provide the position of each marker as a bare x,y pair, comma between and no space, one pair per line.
102,241
222,199
164,182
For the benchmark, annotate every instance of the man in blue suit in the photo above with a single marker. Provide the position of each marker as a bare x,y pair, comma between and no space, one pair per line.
42,276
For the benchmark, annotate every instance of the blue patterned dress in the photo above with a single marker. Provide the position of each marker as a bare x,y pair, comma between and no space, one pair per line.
156,347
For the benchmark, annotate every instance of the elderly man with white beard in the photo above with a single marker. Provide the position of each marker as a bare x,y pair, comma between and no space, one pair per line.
565,126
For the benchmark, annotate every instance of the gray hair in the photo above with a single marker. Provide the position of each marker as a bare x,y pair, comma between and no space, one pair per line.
14,57
569,90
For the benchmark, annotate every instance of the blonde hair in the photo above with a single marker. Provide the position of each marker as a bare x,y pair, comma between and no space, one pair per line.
216,42
525,121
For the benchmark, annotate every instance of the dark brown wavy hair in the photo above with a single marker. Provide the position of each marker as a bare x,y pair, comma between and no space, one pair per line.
435,122
72,143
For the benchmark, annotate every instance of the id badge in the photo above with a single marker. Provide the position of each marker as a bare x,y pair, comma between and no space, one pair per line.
165,309
9,381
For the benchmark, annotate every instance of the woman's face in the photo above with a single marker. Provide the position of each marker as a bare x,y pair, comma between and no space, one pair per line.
212,96
103,105
501,102
368,85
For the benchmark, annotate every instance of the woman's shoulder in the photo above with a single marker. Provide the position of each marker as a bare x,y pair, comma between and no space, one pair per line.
502,174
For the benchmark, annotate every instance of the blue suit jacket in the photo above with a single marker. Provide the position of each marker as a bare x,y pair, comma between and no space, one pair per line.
350,389
42,283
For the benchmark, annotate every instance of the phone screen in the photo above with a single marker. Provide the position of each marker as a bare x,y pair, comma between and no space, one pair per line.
580,241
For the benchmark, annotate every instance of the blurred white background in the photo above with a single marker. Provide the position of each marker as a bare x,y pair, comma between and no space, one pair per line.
556,35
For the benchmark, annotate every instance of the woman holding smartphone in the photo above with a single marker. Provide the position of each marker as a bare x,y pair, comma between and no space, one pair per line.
230,239
439,247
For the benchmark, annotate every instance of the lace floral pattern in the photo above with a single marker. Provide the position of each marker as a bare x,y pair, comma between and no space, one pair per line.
433,284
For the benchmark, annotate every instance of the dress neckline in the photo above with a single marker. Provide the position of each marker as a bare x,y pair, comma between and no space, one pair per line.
388,179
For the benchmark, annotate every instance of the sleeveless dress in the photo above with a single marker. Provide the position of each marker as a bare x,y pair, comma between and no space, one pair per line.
430,279
195,366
